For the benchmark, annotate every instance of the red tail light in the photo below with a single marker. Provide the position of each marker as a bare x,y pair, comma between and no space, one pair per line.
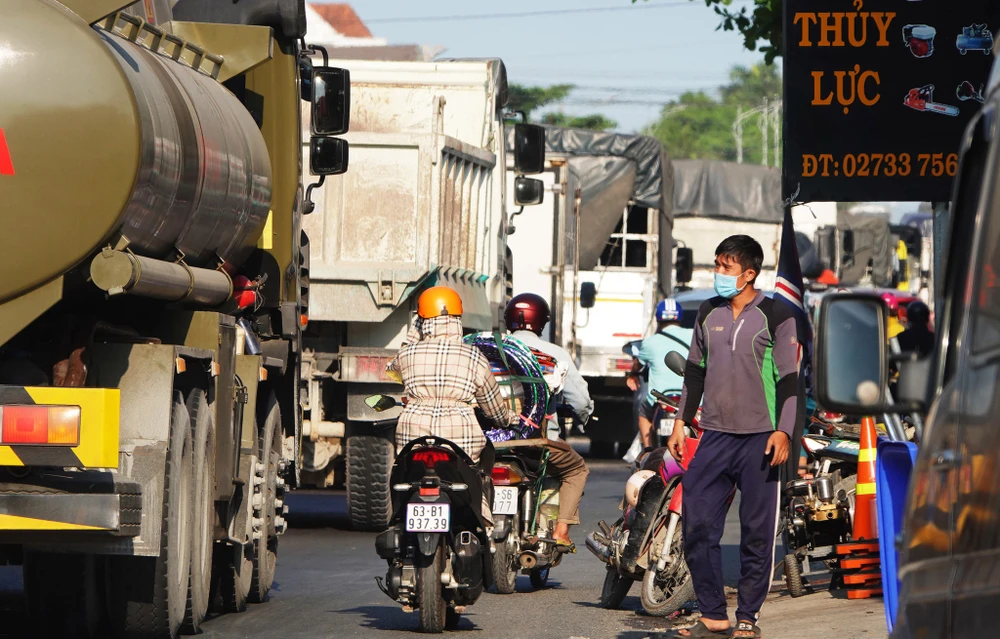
430,456
506,476
433,491
48,425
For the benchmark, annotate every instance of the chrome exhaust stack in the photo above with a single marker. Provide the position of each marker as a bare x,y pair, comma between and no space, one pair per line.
601,550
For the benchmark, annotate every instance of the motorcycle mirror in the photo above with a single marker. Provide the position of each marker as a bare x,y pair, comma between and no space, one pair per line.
675,362
380,403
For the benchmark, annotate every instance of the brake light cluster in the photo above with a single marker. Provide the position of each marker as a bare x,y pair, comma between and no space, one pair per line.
40,425
506,476
430,456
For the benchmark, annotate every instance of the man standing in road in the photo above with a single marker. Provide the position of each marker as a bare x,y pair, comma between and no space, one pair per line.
669,336
743,368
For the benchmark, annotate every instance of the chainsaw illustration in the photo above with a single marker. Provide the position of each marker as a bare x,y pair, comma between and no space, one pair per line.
922,99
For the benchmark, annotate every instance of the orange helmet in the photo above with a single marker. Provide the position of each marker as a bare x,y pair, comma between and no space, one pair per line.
437,301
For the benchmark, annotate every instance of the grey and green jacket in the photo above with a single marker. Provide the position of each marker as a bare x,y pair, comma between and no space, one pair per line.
743,372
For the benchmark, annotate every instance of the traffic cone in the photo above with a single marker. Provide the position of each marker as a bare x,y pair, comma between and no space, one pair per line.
864,498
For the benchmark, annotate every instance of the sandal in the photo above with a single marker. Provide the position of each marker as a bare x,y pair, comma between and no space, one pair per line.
700,631
748,630
565,545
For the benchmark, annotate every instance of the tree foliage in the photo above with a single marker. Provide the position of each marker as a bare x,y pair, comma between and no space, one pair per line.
760,27
531,99
699,126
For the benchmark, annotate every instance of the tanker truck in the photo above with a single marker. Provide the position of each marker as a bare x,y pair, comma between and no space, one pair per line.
152,301
423,205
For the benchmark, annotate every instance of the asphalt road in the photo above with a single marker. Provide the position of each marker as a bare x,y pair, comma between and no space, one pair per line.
326,584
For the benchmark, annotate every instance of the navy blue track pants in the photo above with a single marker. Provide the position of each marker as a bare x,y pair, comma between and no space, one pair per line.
725,460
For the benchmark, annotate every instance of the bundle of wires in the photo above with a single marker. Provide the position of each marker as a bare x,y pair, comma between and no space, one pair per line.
512,361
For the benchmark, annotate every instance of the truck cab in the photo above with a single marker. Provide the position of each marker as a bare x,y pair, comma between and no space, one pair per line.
949,547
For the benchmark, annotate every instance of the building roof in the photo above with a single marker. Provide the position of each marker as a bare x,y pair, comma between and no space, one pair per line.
342,18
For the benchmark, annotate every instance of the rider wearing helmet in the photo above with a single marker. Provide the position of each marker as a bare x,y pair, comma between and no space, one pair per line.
918,336
526,315
443,377
895,326
669,336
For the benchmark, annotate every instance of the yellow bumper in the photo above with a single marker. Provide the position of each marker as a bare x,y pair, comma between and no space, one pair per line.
99,425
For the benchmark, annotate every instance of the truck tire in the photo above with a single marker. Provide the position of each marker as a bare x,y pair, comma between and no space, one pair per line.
265,556
232,577
149,595
203,525
73,608
369,460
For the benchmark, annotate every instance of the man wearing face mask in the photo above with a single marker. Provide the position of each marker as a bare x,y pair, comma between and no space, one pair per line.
743,370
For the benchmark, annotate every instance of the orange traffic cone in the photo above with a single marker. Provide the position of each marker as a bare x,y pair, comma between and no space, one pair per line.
864,499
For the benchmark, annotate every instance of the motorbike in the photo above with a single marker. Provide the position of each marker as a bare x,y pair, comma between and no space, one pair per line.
525,510
436,546
646,544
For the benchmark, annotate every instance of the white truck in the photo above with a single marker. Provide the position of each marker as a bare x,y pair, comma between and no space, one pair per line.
603,282
425,207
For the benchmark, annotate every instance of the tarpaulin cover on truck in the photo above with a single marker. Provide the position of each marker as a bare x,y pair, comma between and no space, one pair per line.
614,169
871,239
717,189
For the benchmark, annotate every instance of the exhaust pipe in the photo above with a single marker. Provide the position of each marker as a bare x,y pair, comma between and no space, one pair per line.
528,559
600,550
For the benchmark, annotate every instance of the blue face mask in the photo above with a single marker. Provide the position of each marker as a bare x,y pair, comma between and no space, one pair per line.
725,285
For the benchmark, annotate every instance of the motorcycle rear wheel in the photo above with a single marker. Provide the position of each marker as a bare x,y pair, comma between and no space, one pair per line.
433,609
616,586
505,566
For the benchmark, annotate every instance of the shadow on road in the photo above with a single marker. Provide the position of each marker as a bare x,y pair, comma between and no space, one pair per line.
393,618
318,509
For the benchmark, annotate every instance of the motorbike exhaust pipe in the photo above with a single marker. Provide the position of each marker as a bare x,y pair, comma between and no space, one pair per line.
528,559
601,551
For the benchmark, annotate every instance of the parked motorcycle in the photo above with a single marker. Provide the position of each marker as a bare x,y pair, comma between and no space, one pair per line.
436,545
525,510
646,542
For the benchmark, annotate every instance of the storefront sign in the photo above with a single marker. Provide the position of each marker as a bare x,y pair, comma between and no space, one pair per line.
877,95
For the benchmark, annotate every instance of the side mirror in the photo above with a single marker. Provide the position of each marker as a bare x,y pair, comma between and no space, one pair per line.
381,403
588,295
331,101
851,353
528,191
675,362
328,156
685,265
529,149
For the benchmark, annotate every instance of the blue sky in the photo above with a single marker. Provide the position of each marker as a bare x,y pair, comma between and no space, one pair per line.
634,54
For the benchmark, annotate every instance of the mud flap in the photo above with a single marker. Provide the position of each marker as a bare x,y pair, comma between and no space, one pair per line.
428,543
502,527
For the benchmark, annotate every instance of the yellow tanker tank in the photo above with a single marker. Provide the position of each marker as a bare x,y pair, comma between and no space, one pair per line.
102,136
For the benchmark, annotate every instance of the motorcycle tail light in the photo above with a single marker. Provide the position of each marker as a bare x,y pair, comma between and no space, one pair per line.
430,456
506,476
433,491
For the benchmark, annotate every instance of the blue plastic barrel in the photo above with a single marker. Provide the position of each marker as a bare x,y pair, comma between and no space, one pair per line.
893,466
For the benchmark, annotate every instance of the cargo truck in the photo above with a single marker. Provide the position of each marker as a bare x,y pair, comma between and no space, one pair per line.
152,301
423,205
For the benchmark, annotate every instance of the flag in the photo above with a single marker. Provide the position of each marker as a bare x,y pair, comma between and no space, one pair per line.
789,289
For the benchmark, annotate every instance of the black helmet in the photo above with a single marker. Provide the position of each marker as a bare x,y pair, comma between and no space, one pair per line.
527,311
917,313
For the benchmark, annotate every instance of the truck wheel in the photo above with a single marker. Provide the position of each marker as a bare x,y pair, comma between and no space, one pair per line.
203,525
71,609
232,577
265,542
148,595
369,460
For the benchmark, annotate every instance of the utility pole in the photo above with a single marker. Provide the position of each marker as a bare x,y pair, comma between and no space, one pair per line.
768,122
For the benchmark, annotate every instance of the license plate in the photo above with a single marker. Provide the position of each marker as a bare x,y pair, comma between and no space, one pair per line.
428,517
504,500
666,426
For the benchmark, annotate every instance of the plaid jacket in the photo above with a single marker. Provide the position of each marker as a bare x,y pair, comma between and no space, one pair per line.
443,378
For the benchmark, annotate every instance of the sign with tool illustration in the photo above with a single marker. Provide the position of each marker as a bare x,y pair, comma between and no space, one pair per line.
877,95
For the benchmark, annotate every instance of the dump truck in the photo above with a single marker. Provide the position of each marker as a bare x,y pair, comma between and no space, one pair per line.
423,205
152,301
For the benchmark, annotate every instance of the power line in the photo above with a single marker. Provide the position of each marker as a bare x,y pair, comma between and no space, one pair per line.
530,14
